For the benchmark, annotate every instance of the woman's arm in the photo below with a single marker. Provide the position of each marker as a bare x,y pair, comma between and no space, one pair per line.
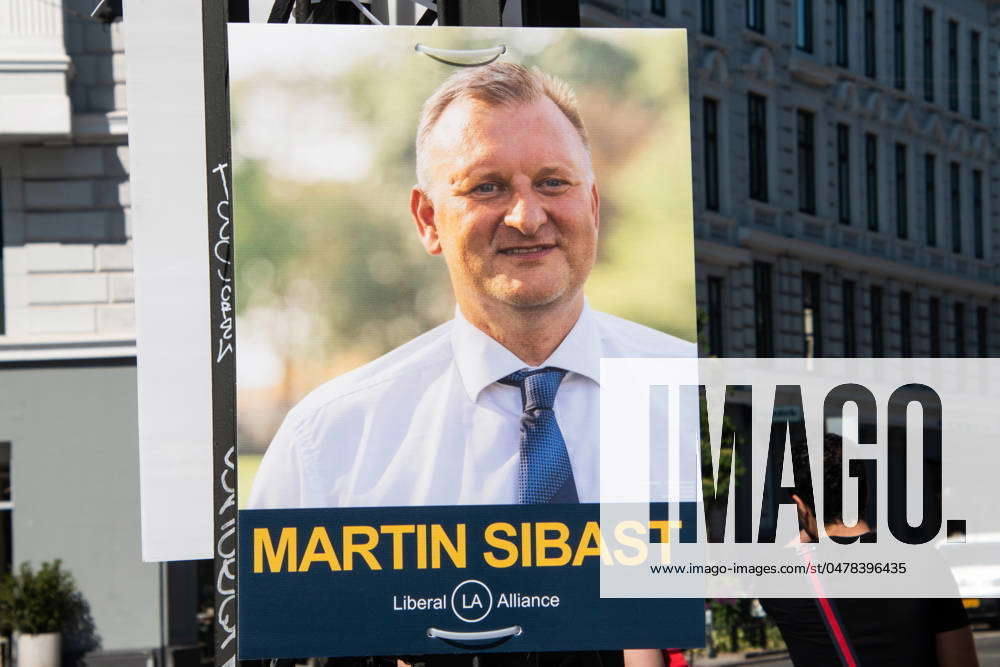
644,657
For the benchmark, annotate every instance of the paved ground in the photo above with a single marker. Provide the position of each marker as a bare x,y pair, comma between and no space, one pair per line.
987,644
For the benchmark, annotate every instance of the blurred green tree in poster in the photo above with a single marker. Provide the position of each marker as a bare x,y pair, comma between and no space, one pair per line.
330,272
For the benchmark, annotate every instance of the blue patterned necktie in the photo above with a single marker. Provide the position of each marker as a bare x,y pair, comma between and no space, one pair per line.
545,475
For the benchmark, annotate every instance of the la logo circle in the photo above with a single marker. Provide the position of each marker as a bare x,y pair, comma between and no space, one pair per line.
472,601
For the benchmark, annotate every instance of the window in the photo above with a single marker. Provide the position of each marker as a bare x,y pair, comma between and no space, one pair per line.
958,321
930,199
844,173
806,129
763,309
755,15
841,33
902,213
812,317
803,25
871,180
956,208
757,111
715,316
905,329
711,138
850,330
975,103
982,331
953,65
934,315
977,213
899,44
708,17
871,70
928,54
875,308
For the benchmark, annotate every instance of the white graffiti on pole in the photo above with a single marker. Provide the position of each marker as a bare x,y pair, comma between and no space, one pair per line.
221,253
226,568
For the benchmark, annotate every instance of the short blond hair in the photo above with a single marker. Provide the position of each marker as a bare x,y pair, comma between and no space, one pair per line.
497,84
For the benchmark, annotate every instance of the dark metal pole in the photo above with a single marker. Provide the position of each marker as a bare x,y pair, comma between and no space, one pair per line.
469,12
551,13
222,339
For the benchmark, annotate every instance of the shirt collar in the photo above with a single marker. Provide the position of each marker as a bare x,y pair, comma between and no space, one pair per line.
481,360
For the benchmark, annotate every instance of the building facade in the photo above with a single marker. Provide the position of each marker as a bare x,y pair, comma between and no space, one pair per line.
844,175
68,431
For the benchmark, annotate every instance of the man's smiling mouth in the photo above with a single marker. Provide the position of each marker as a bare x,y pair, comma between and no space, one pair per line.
527,250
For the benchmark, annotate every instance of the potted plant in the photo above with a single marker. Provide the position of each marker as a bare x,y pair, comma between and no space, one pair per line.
36,606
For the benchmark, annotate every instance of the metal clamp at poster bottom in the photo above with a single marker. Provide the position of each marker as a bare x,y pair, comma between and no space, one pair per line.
482,635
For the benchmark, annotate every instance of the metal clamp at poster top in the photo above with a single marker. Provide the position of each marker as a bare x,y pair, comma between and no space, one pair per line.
482,635
462,57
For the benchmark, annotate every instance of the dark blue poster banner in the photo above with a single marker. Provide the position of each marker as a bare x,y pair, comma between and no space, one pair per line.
423,580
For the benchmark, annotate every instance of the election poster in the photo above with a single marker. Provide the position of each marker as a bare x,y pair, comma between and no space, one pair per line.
438,236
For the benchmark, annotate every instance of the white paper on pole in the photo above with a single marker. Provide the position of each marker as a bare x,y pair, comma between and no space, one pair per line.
165,88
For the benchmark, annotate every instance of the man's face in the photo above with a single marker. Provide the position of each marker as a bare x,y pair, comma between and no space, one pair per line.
510,202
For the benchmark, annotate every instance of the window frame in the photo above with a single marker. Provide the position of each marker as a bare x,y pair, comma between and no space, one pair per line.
710,153
928,53
901,159
871,181
755,16
843,173
952,60
955,199
757,146
804,25
930,199
708,17
877,319
842,30
805,132
715,317
848,290
905,324
812,314
978,236
975,76
869,36
899,44
763,303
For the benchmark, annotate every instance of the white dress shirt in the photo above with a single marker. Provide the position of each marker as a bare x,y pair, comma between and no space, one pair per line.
428,423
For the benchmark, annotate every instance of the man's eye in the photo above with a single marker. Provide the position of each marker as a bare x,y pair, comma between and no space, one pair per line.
486,188
553,183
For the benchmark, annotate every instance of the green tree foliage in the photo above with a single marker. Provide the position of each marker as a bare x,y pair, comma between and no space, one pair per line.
735,628
38,602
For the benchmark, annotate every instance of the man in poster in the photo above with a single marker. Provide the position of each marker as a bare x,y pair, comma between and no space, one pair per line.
500,404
